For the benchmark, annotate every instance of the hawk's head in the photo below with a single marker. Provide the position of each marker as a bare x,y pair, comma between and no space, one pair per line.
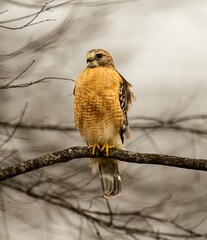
99,58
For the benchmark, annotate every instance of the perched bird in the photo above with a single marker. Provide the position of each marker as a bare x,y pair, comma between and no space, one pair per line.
102,99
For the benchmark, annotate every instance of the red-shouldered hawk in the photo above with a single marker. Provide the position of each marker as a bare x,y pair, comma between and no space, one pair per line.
102,99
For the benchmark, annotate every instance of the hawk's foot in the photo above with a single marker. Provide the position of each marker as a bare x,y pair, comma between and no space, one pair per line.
107,146
94,146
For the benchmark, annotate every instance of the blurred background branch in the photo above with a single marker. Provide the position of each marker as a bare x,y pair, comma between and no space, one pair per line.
138,123
31,22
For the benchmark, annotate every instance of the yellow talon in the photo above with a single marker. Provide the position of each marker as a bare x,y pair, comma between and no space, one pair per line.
106,146
94,146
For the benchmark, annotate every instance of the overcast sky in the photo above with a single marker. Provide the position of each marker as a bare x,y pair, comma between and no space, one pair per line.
161,48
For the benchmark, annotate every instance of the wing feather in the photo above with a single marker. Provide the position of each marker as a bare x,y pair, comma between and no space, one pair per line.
125,98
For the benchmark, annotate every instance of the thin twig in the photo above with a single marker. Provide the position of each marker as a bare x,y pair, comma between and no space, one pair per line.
10,136
57,200
31,21
70,2
4,11
132,126
21,73
42,80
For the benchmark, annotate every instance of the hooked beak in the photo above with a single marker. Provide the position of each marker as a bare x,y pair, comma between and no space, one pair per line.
89,58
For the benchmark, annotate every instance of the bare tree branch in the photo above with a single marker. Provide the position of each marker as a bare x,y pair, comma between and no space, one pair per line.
63,4
148,124
37,127
11,135
102,219
42,80
4,11
83,152
32,20
22,72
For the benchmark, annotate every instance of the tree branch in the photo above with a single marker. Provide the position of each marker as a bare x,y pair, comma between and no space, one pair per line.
83,152
32,20
140,123
42,80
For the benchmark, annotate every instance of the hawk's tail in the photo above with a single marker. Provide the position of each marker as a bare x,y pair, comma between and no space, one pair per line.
110,178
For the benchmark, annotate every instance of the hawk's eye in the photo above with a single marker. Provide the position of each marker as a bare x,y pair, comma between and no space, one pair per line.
99,55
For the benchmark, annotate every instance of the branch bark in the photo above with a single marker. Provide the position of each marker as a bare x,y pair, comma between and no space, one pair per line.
83,152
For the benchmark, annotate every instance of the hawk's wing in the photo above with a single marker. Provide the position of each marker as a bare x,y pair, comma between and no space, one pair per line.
125,98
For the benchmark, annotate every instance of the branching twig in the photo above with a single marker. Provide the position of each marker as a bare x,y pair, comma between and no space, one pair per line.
32,20
57,200
83,152
11,135
22,72
148,124
65,4
42,80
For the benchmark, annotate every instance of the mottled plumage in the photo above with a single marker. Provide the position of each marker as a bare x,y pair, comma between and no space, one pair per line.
102,99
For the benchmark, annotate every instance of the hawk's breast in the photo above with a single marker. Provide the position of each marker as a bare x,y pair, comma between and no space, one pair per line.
97,107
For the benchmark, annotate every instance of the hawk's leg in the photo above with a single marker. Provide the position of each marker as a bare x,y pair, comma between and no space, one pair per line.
94,146
107,146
